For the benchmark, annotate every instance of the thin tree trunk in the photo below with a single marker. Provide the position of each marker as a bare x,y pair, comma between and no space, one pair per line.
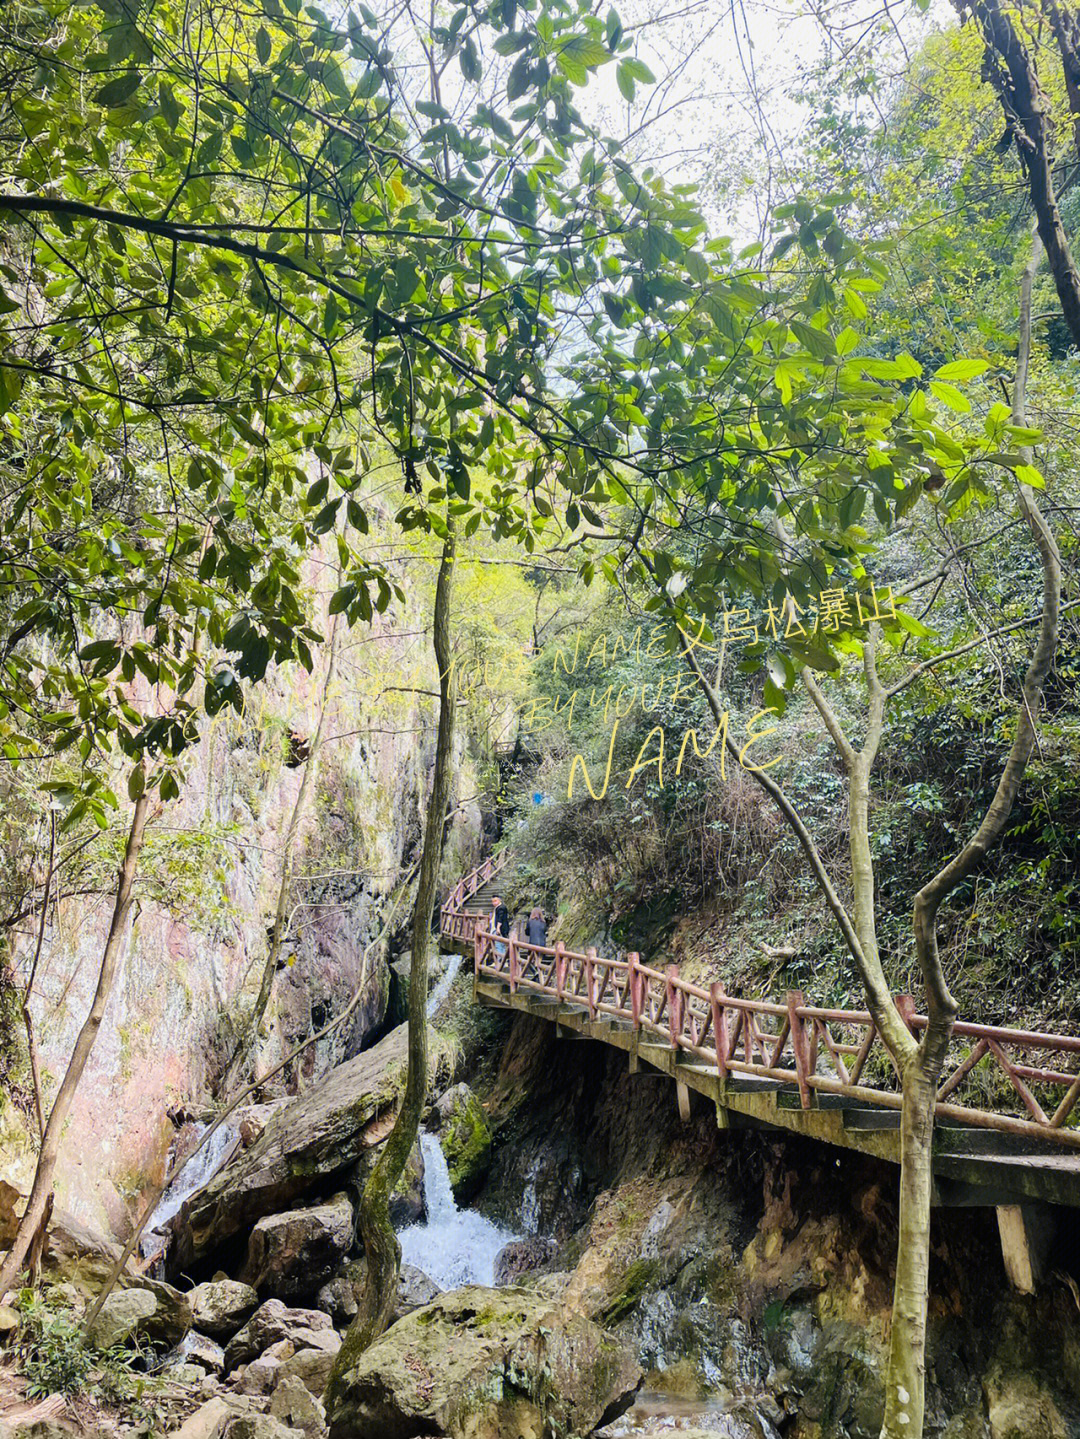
31,1041
905,1376
249,1034
380,1242
50,1144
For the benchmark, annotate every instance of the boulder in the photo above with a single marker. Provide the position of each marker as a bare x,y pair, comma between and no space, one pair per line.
338,1299
311,1367
124,1311
196,1348
415,1290
74,1252
317,1135
294,1405
232,1418
220,1306
290,1255
522,1256
9,1321
407,1205
482,1364
171,1318
260,1376
465,1139
181,1372
273,1321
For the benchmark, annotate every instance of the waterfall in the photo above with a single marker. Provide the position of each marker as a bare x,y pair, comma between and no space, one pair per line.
453,1246
442,989
197,1172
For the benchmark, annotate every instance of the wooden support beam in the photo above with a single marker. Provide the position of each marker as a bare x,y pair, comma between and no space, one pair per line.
1026,1232
682,1095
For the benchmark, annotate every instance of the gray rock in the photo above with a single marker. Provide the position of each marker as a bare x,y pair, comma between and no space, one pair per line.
232,1417
196,1348
260,1376
121,1314
183,1373
171,1319
314,1136
444,1370
294,1405
522,1256
312,1368
220,1306
290,1255
338,1299
415,1290
270,1322
9,1321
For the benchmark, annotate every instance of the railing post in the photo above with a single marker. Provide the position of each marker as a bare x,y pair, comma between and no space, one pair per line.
719,1026
905,1004
560,970
513,944
633,962
800,1045
675,998
478,949
590,980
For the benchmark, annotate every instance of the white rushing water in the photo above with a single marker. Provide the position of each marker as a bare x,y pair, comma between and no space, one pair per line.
453,1246
442,988
195,1173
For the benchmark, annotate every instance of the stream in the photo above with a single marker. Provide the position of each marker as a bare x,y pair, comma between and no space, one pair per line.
452,1246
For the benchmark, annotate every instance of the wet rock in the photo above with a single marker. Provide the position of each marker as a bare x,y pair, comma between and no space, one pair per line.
294,1405
321,1133
407,1201
220,1306
290,1255
338,1299
522,1256
121,1314
465,1138
273,1321
482,1364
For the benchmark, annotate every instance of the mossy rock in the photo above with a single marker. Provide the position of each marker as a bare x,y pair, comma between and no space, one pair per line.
465,1139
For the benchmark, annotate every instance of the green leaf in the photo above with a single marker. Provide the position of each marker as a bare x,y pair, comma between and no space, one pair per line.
951,396
1029,475
117,91
169,105
580,54
962,370
263,45
136,785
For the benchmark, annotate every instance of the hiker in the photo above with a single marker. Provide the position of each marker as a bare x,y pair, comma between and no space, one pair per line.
535,933
536,929
500,924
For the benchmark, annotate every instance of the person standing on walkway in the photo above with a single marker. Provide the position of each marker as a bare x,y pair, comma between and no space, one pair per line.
500,924
536,929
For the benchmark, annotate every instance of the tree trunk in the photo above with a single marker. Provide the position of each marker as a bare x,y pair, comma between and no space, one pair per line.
50,1145
380,1242
905,1378
249,1035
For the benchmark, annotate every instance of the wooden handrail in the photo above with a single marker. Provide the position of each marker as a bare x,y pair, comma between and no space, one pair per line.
713,1026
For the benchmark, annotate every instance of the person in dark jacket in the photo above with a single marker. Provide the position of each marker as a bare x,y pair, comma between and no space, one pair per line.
500,924
536,929
535,933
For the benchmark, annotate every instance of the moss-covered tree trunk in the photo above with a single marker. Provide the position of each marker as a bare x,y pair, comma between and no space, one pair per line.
380,1242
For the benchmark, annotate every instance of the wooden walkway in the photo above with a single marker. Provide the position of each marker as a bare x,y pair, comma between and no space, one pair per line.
1002,1133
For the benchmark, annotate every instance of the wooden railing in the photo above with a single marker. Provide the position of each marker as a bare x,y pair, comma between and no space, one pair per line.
455,922
816,1050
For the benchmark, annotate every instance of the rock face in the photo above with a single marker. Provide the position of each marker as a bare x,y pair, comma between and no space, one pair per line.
482,1364
273,1321
465,1139
74,1252
308,1141
290,1255
220,1306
